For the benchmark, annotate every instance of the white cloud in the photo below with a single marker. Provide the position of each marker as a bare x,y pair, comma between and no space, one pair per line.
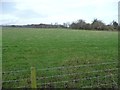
8,19
64,10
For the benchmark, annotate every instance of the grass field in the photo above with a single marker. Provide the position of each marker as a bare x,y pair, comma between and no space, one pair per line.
0,57
43,48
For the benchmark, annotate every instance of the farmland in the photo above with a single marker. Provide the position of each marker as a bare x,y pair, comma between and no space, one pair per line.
23,48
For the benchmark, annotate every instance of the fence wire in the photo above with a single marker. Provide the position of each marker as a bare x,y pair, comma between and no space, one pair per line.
43,81
70,74
87,78
86,65
11,81
15,71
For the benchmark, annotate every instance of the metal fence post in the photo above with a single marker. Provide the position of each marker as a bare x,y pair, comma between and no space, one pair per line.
33,78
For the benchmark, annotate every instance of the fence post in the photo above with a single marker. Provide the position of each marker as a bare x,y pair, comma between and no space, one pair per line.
33,78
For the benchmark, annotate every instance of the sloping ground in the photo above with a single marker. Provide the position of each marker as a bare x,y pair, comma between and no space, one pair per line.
24,48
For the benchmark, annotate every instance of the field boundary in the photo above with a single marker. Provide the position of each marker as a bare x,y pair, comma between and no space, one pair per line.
109,76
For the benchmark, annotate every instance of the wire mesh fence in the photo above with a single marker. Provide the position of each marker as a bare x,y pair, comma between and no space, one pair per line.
16,79
99,75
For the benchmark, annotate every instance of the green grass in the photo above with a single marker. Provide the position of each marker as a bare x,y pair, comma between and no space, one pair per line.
42,48
0,57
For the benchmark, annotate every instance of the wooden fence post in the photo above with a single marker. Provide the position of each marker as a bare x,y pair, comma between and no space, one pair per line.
33,78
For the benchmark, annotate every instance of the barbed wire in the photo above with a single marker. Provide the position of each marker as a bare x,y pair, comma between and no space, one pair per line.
76,66
114,80
62,67
93,86
23,86
70,74
16,71
10,81
87,78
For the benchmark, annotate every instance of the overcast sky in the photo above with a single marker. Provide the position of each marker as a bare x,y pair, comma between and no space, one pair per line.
52,11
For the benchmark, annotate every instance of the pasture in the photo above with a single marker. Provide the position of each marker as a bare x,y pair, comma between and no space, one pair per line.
23,48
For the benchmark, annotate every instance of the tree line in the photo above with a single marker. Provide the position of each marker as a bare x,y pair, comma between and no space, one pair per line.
95,25
79,24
